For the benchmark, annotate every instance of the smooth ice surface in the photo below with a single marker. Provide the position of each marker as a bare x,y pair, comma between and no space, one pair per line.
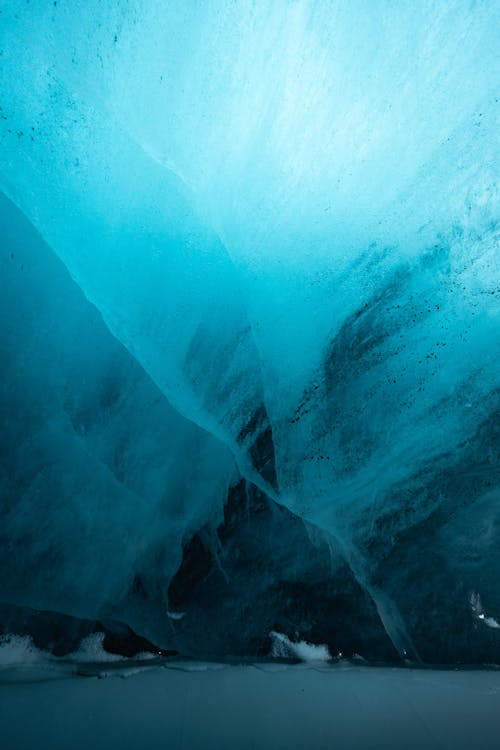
262,707
101,479
286,214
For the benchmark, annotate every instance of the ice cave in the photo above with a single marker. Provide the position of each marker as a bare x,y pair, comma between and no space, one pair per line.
249,374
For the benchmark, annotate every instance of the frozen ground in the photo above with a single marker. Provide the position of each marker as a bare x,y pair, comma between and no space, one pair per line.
254,706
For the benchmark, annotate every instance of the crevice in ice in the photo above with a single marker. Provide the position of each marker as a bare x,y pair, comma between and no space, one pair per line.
213,545
387,610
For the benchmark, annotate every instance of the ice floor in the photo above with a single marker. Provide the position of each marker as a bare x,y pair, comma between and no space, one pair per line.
254,706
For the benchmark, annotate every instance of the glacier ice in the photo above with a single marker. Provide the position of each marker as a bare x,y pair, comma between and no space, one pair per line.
280,222
93,456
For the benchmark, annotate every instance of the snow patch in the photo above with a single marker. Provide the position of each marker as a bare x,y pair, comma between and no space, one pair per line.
479,614
283,647
92,649
18,649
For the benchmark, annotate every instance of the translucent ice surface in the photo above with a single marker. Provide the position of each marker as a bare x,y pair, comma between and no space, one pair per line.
253,243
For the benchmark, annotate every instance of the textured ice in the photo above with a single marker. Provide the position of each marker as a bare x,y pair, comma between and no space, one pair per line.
285,216
101,479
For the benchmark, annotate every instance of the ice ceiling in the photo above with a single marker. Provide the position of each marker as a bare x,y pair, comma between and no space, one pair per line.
250,322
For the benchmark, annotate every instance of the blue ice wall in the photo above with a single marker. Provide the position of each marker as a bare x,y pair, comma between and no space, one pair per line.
101,480
286,212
